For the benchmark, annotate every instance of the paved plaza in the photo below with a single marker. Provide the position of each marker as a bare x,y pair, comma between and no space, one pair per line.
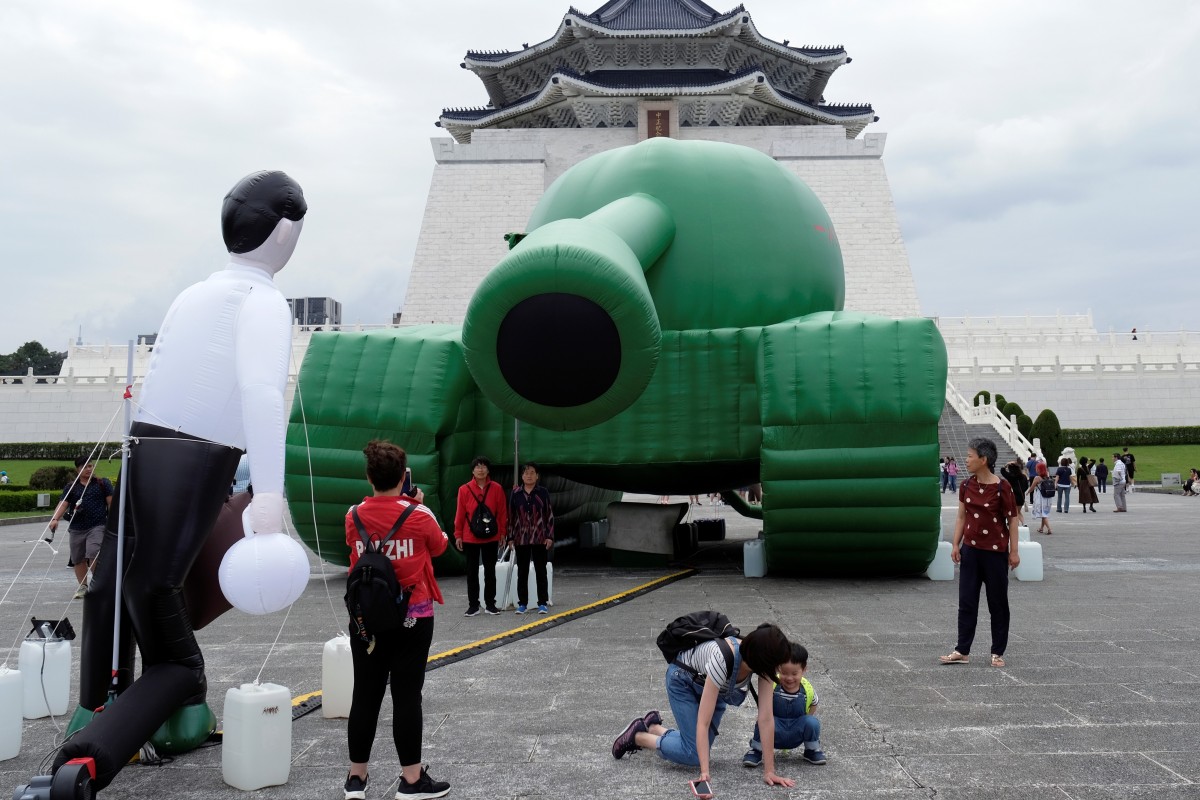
1100,698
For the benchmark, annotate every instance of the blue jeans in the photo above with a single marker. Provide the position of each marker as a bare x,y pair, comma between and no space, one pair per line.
1064,498
954,483
683,693
792,733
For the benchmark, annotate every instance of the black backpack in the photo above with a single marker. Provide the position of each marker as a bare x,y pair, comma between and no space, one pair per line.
1046,487
375,599
483,522
696,628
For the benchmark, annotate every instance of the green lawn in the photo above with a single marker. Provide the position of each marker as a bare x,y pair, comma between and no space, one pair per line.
1152,461
19,471
41,512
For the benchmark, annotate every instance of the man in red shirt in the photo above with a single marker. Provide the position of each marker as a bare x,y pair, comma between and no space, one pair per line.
478,536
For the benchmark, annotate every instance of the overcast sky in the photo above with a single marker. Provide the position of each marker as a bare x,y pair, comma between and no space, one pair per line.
1044,156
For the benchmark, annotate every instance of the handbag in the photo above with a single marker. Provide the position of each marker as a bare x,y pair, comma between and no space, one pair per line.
1092,480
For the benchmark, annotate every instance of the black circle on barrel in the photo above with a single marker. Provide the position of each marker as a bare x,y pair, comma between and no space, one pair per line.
559,350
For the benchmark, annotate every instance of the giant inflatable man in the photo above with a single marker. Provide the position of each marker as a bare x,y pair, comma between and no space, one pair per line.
214,390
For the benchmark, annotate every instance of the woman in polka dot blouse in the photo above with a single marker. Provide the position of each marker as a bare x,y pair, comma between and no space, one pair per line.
985,547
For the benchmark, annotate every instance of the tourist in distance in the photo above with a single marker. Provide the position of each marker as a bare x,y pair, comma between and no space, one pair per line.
531,531
1039,500
985,544
952,473
1014,473
1101,473
398,655
700,687
1118,476
1190,485
89,501
944,474
1064,480
1130,468
478,535
1083,481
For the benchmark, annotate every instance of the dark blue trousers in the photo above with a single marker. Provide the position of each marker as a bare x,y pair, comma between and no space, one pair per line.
979,568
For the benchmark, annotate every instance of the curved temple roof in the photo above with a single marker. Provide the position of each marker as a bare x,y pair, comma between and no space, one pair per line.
566,86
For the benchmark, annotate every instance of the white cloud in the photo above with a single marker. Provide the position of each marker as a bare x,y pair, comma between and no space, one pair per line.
1024,138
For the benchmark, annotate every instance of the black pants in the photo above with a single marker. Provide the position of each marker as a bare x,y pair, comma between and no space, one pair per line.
980,568
400,656
538,553
474,552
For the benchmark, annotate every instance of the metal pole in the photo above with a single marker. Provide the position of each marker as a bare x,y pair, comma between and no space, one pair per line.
516,452
118,605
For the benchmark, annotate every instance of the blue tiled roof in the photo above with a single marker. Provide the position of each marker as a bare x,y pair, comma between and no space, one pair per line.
660,78
656,15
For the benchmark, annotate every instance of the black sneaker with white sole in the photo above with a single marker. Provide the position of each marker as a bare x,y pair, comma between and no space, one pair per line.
356,787
426,788
473,611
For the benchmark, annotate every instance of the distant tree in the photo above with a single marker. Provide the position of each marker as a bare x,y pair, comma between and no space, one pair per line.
1047,428
32,355
1000,401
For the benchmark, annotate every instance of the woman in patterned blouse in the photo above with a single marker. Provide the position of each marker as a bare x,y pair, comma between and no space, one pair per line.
985,545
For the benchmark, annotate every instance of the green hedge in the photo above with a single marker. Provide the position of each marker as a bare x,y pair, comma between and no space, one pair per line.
24,501
982,395
52,451
13,487
1130,437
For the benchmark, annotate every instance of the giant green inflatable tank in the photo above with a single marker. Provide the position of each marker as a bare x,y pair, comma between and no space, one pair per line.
671,323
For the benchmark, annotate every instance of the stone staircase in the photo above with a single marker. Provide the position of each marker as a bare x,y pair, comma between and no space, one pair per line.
954,433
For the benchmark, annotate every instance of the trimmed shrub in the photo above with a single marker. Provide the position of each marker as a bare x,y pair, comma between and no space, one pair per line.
1025,425
51,477
52,451
1047,428
21,501
1131,437
999,401
985,395
1011,410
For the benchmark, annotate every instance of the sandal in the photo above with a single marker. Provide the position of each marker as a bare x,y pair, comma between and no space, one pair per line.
997,661
954,658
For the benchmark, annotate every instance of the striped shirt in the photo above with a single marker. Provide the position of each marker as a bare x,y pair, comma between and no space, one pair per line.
709,659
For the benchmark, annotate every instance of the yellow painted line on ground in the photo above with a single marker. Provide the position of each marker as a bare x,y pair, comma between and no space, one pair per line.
533,625
530,626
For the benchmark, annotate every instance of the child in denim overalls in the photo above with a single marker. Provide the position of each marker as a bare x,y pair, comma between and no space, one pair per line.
795,705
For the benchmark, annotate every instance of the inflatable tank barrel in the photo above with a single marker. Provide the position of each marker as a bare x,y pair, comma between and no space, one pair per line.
563,333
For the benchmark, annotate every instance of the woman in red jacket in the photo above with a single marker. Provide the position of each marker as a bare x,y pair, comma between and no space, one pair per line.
477,535
400,655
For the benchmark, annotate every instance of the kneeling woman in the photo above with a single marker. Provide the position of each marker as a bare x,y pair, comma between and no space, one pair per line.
400,655
700,685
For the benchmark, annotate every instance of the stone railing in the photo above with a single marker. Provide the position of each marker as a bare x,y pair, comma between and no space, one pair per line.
988,414
980,369
1024,322
1031,341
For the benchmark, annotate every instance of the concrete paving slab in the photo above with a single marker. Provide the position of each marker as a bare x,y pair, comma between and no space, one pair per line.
1100,699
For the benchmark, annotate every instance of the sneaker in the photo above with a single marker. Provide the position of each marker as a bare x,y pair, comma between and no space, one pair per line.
652,718
814,757
425,788
80,592
356,787
491,610
627,741
521,609
542,609
473,611
753,758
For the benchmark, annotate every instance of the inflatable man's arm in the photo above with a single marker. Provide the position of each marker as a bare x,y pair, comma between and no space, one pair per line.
263,350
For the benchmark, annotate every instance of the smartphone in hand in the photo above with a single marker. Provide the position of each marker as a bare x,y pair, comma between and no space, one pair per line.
407,488
701,788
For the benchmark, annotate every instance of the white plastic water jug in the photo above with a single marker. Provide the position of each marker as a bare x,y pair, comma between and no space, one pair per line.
1023,533
337,677
45,666
1030,568
10,713
942,566
257,746
754,564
